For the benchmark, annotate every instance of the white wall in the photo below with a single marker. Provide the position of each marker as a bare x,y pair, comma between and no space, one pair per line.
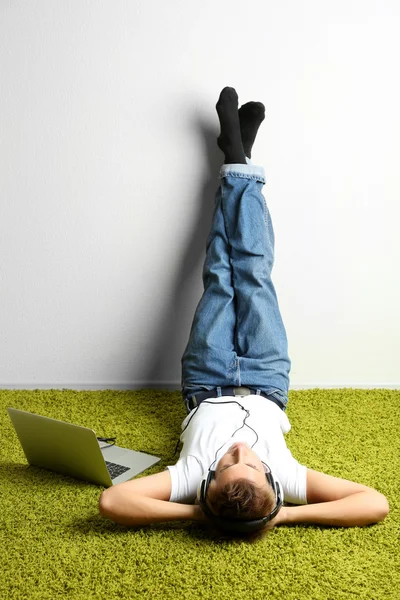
109,167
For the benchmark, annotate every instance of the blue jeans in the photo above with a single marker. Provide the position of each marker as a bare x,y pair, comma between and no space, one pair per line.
237,336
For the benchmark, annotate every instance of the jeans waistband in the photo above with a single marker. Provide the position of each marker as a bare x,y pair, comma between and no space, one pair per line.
196,399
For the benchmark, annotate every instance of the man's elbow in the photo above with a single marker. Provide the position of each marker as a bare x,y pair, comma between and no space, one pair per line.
386,507
383,508
106,505
113,506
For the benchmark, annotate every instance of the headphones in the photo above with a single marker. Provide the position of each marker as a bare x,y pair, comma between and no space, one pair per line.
228,524
234,524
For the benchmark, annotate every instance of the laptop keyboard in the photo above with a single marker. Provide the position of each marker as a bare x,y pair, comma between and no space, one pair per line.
115,469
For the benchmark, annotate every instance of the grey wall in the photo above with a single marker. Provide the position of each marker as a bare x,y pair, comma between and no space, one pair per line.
109,167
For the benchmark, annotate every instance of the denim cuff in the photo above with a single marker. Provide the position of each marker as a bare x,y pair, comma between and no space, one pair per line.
250,170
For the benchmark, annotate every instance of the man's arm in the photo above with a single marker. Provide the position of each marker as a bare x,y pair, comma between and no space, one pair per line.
356,510
145,500
338,502
136,510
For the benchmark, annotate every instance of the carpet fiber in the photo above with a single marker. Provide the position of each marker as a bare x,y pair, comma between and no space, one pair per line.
55,544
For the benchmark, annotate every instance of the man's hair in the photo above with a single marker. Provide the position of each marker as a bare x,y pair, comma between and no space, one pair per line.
243,500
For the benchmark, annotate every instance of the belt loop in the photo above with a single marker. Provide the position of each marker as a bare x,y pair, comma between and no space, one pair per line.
194,401
258,392
219,392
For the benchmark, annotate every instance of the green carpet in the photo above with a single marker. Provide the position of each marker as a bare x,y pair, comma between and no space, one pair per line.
55,544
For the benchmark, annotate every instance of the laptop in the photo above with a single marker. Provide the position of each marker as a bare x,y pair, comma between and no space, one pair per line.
75,451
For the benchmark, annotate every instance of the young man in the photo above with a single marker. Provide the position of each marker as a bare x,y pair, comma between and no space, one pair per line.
235,379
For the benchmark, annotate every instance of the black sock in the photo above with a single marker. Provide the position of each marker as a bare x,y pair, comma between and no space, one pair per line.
230,139
251,115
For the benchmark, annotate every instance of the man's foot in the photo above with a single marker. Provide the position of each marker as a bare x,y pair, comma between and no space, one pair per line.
251,115
230,139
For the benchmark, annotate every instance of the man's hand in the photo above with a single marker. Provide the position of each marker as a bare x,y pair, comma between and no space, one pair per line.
198,514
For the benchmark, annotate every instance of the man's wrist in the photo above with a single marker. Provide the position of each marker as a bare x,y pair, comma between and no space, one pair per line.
198,514
282,516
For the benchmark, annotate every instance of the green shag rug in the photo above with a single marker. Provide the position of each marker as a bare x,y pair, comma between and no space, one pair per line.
54,543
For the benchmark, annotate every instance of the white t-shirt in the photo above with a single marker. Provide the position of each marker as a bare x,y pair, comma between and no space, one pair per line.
214,425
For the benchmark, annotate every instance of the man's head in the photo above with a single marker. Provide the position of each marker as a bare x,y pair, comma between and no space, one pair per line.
240,489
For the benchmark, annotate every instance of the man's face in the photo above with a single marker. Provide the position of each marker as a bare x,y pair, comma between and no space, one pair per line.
240,462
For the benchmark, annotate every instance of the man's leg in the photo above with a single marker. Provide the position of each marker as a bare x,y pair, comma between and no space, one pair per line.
209,359
261,341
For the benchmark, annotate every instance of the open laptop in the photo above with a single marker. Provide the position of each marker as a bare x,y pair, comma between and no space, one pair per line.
75,451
